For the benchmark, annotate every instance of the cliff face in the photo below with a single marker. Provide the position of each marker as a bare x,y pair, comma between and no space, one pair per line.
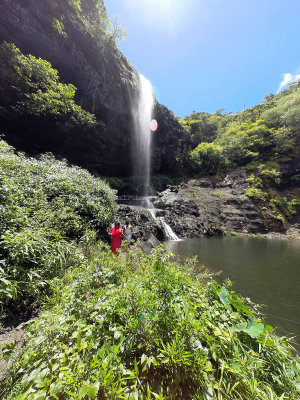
218,206
105,80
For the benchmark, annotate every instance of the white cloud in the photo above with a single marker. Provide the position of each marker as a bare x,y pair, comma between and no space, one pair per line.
287,79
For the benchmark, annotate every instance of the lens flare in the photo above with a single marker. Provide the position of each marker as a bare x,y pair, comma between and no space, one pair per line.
153,125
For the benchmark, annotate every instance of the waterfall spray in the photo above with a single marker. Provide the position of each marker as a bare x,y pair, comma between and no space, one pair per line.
142,114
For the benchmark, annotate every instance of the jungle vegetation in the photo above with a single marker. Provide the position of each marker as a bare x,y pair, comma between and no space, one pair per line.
269,131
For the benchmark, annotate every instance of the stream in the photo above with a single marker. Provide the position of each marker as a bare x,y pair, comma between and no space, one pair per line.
265,270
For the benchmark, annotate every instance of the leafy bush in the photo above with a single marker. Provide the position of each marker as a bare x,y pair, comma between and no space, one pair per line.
269,173
246,141
38,113
141,327
31,259
289,207
45,204
267,131
207,158
256,193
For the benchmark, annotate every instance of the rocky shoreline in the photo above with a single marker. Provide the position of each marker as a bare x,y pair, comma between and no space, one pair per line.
208,207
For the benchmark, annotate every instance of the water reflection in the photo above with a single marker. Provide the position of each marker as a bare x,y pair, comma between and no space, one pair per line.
266,270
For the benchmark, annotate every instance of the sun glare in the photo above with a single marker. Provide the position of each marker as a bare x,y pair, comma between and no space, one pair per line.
166,15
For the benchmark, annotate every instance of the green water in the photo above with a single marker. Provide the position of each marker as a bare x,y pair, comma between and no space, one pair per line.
266,270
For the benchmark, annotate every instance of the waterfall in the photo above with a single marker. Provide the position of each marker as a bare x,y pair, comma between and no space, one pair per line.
142,109
142,114
169,232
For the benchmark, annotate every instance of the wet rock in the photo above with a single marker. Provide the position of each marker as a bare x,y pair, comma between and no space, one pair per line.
217,207
143,222
290,173
148,245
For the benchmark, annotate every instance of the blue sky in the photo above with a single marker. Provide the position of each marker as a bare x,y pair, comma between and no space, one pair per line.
205,55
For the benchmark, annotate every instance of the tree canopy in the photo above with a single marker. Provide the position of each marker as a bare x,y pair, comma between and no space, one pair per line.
265,132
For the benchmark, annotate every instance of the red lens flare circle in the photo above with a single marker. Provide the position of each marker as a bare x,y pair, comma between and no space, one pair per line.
153,125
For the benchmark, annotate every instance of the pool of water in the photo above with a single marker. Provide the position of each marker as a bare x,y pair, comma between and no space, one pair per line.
266,270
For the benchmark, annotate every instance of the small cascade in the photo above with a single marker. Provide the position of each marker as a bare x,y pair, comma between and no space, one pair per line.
147,203
169,232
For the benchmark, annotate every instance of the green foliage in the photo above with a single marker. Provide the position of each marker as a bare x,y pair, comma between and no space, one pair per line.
32,87
38,112
269,174
59,27
92,14
202,127
143,327
45,204
246,141
287,206
256,193
265,132
207,158
76,4
264,177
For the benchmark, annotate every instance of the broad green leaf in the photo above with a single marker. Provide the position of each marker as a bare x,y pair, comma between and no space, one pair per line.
55,389
224,297
93,389
251,327
83,390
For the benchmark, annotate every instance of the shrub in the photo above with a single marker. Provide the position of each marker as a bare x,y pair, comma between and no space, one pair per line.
246,141
207,158
256,193
32,87
45,205
288,207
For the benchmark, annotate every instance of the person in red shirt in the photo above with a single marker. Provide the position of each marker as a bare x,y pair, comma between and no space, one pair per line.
116,233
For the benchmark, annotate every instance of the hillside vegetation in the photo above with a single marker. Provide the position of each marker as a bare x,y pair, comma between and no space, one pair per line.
269,131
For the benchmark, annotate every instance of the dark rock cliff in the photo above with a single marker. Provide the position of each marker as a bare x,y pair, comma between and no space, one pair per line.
216,206
105,80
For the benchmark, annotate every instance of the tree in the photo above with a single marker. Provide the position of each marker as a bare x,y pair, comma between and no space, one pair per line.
247,141
207,158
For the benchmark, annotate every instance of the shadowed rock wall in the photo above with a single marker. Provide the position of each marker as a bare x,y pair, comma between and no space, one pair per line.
105,80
